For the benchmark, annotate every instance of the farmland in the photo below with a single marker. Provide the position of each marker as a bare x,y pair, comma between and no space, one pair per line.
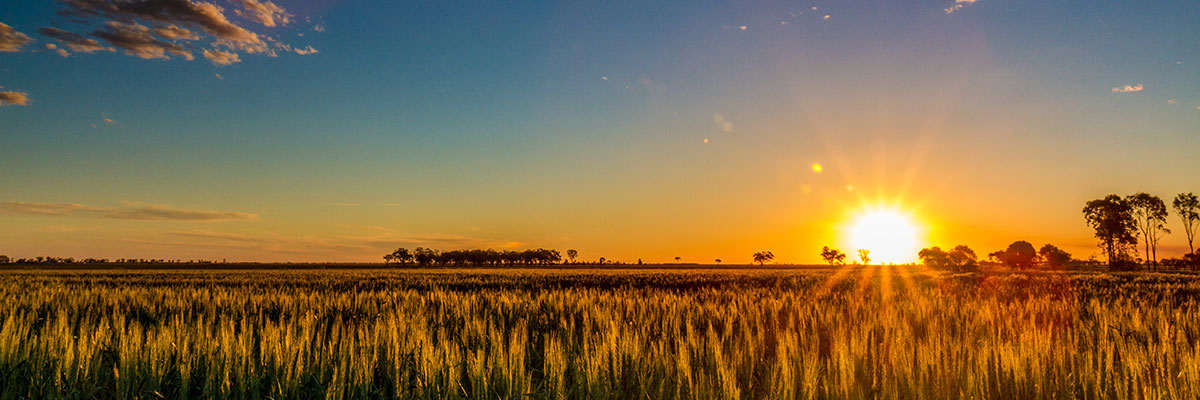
852,332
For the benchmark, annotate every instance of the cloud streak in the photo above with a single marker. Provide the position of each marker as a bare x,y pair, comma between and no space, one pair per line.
130,211
958,5
74,41
137,40
266,13
222,58
12,41
1128,88
13,98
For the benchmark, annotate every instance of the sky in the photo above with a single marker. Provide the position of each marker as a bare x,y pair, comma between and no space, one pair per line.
337,130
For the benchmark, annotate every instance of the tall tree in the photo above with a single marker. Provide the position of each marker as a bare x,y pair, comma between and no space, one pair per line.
1188,207
865,256
1151,215
1112,219
571,254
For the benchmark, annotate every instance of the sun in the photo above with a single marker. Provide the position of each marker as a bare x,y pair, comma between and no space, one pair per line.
891,235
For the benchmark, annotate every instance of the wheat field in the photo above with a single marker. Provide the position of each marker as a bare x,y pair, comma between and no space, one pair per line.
856,332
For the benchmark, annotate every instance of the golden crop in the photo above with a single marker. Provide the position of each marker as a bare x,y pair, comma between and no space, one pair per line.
858,332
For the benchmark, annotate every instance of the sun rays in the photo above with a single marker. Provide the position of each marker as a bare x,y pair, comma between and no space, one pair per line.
891,235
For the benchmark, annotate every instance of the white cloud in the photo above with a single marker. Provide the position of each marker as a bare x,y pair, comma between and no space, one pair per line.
958,5
1128,88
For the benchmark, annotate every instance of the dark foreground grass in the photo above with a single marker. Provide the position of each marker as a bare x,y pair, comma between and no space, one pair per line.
859,332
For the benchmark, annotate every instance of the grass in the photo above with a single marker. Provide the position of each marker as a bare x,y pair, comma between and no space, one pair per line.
858,332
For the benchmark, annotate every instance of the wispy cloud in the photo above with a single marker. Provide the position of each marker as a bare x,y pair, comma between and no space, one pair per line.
1128,88
74,41
265,13
219,57
162,29
958,5
13,98
131,211
12,41
137,40
305,51
172,32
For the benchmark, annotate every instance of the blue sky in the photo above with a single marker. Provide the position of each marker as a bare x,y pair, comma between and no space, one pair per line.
627,129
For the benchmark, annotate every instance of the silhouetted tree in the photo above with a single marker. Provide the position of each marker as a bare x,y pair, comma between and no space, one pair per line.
1112,219
718,261
934,257
677,259
865,256
4,259
424,256
833,256
1151,215
1053,256
402,256
1019,255
960,258
763,257
571,254
1188,207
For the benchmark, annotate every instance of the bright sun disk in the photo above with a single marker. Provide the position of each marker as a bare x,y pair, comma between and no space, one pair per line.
890,235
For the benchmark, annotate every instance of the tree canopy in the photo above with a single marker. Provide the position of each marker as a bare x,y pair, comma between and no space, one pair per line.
960,258
1112,219
1019,255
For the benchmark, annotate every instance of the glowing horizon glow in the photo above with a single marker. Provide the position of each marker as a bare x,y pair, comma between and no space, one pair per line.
892,235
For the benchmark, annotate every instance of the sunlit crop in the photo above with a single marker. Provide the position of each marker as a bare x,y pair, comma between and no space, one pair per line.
870,332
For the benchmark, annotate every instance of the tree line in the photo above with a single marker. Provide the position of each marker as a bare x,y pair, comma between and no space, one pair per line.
1121,222
425,257
48,260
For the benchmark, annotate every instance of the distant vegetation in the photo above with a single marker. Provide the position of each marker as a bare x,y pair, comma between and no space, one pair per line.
423,256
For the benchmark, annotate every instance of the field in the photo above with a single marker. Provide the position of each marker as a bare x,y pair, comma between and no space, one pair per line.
856,332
